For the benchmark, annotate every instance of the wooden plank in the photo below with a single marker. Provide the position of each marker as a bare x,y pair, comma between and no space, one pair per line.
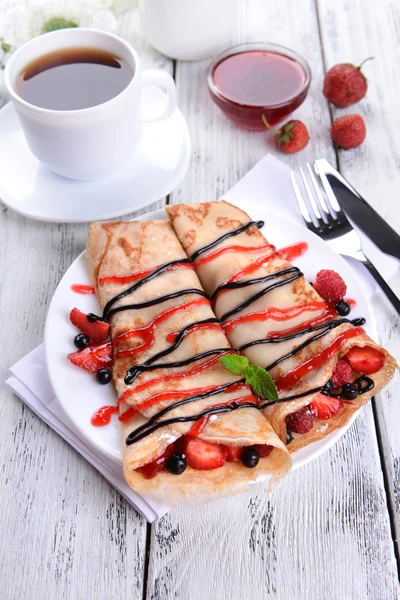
324,533
373,170
66,533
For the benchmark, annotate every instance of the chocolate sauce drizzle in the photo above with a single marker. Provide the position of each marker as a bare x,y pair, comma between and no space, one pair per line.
325,327
153,423
178,340
232,233
106,311
261,293
240,284
133,372
363,384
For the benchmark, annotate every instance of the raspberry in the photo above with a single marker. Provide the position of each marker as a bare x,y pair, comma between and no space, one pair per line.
341,374
330,285
300,421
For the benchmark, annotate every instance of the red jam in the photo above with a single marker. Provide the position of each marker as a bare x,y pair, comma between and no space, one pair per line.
253,80
281,314
103,416
81,288
290,253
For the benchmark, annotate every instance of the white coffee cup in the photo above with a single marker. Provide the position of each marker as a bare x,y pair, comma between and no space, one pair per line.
88,143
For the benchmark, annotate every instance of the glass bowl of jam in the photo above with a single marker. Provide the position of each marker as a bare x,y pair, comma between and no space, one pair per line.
256,79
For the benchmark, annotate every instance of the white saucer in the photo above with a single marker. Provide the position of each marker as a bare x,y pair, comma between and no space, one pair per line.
32,190
77,390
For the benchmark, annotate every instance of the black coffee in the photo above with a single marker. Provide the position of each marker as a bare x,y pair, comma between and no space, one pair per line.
73,78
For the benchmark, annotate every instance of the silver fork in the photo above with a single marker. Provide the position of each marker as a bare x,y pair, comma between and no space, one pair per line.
330,223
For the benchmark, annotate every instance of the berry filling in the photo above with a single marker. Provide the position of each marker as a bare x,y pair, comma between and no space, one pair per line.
365,360
330,286
300,421
92,358
325,407
203,456
342,374
97,331
155,466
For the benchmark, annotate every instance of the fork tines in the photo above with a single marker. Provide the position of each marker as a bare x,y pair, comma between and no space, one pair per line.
325,210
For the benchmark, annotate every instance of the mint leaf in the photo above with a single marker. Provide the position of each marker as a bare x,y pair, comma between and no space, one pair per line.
235,364
261,382
55,23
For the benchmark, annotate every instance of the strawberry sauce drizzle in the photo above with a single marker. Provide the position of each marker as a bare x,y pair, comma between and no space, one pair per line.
292,377
181,374
290,253
147,332
127,415
199,262
81,288
327,316
103,416
199,426
277,314
171,337
131,277
181,394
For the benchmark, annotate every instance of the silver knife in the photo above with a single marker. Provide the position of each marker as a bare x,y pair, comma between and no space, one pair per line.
359,211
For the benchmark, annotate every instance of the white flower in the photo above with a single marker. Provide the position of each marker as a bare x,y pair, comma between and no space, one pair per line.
25,21
120,6
105,20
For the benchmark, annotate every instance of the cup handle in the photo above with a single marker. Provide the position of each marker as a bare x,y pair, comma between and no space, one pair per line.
163,81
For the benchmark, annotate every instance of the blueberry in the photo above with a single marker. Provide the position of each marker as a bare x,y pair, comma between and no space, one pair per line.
81,341
349,391
250,458
328,386
104,376
343,308
176,464
92,318
289,437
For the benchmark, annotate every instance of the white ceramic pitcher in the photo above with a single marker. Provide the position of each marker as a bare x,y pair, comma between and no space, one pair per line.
189,29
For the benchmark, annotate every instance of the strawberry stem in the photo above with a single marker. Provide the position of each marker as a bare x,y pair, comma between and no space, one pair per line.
268,126
364,61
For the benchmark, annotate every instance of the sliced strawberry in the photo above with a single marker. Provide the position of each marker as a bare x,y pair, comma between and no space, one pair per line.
233,453
155,466
365,360
97,331
204,456
325,407
92,358
263,450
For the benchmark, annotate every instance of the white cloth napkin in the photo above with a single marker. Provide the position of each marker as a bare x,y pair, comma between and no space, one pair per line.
31,383
267,184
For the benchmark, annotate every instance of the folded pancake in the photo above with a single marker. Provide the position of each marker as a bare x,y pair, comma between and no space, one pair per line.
271,314
166,348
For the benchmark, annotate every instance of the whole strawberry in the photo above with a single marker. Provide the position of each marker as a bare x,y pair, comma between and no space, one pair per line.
345,84
348,131
291,137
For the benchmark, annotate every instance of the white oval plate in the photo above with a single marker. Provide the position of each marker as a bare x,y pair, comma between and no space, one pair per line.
157,167
79,393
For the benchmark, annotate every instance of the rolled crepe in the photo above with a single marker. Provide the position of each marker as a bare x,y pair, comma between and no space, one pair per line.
124,257
265,320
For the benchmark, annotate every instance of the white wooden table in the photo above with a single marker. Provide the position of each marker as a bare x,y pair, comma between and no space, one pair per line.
330,530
